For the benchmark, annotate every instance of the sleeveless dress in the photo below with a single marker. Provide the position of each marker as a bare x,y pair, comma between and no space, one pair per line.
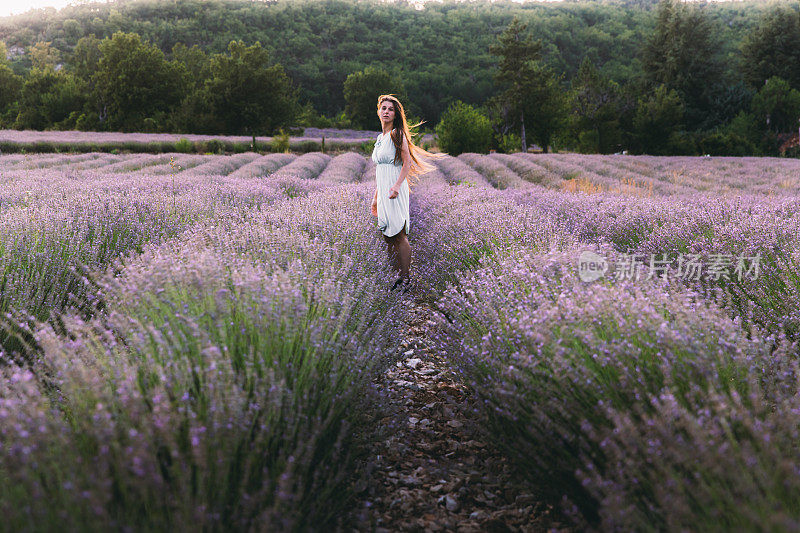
392,212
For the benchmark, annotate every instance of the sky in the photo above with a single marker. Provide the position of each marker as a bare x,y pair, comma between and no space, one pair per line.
13,7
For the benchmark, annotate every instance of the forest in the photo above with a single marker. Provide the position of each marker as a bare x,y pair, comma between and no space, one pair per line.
643,76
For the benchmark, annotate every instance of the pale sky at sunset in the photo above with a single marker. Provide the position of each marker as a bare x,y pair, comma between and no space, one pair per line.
12,7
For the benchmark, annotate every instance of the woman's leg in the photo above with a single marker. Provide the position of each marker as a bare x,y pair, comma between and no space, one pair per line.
391,252
403,249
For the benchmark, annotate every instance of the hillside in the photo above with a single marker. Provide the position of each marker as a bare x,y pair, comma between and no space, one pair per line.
440,52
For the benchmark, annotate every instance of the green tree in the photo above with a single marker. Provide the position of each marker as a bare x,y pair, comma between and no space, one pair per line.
50,99
772,48
545,105
658,117
10,86
43,55
85,58
683,54
517,69
463,129
747,126
247,94
84,63
135,82
195,62
361,90
72,29
776,106
596,108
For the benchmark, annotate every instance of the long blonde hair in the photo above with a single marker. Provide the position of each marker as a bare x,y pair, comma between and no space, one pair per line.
418,155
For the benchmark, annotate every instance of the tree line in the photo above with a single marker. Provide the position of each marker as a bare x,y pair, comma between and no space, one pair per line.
122,83
684,103
597,77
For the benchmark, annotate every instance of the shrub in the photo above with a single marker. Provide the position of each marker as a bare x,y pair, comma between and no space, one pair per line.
308,146
213,146
729,144
280,142
149,125
682,143
511,143
793,151
184,146
464,129
88,122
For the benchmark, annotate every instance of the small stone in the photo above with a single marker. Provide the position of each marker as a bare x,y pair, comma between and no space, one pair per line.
450,504
406,384
523,500
454,424
413,420
495,525
475,477
409,352
413,363
409,480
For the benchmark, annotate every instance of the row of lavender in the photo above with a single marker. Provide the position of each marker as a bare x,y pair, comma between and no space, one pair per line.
77,137
188,348
640,403
630,175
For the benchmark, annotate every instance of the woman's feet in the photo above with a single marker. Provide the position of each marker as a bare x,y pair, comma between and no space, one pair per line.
403,284
406,286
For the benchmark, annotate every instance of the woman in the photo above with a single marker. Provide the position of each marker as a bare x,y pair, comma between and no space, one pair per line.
396,164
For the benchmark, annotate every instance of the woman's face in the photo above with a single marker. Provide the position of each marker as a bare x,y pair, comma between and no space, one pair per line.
386,111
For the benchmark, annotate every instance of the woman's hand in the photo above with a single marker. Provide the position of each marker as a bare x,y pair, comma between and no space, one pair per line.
374,209
394,191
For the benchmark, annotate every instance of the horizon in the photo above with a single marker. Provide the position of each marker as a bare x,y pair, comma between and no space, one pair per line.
18,7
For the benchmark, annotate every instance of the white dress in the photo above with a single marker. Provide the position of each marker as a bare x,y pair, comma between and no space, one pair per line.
392,212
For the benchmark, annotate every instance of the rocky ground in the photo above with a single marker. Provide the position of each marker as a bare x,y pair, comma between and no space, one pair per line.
433,472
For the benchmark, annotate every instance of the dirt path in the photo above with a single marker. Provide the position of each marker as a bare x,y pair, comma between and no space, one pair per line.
434,473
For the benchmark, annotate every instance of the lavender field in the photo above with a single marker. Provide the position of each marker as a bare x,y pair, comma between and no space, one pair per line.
195,341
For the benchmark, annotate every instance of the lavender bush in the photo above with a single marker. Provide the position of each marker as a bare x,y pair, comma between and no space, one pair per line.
457,172
729,466
498,174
